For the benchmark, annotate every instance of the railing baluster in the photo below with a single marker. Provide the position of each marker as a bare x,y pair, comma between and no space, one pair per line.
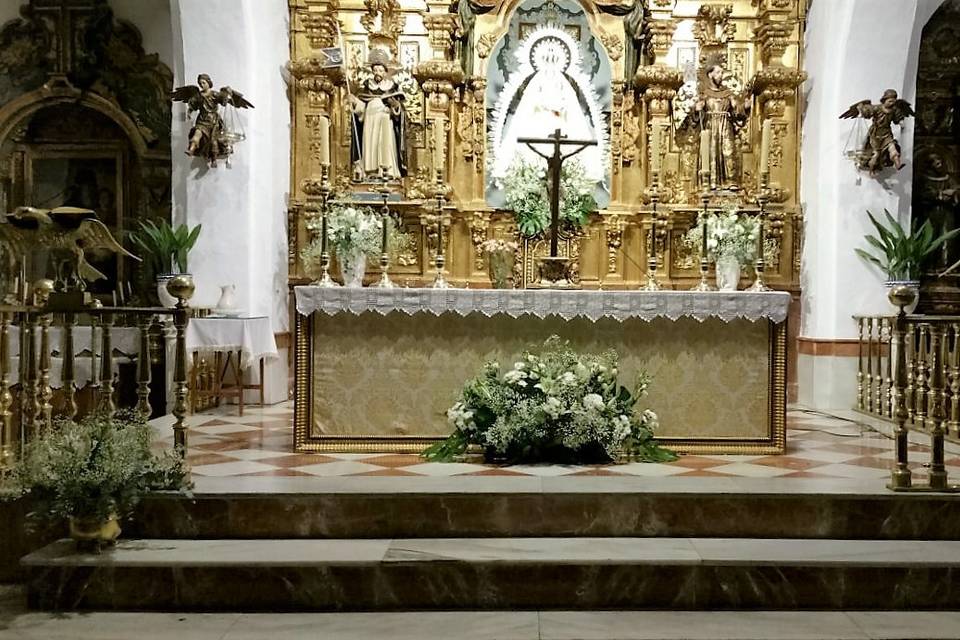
910,354
861,404
8,439
888,396
938,473
900,475
180,317
69,375
922,377
29,406
94,366
44,391
143,365
868,381
953,356
107,404
878,395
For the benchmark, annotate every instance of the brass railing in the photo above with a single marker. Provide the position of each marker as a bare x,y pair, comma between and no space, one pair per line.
27,403
909,371
875,369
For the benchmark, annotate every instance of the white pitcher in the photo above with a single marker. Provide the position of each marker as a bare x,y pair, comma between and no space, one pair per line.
227,299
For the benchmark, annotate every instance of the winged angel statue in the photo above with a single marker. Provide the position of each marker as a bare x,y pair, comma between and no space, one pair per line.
67,233
209,138
881,149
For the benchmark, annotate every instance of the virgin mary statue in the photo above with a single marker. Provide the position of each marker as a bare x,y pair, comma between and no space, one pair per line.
549,91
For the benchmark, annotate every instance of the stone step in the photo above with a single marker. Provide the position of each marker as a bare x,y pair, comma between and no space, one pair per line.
400,507
498,573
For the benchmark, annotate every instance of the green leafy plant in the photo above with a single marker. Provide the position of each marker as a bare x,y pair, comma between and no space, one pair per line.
901,255
525,192
554,404
95,469
163,244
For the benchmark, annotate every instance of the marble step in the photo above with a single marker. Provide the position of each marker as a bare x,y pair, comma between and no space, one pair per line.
498,573
426,507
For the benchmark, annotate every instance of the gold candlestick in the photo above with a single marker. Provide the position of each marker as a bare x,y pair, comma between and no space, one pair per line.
384,282
439,282
759,265
652,283
325,190
704,284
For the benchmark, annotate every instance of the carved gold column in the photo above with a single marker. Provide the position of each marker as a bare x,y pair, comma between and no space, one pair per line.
440,80
657,83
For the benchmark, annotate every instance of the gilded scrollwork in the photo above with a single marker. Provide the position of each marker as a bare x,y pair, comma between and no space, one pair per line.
388,15
613,231
613,44
774,86
631,129
778,135
479,224
713,27
486,43
322,27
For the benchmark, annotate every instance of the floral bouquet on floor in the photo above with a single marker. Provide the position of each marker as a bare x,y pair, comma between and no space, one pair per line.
554,405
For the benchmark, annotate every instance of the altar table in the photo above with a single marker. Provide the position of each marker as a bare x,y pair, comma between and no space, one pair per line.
376,369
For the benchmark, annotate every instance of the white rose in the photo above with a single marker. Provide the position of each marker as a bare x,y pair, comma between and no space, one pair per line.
593,402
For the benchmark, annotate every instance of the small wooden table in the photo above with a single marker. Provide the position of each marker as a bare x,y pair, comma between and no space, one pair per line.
236,344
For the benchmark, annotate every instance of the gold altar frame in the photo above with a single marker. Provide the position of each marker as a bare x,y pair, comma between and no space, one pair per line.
773,443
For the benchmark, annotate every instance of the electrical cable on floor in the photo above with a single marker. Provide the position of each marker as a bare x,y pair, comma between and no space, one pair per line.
863,425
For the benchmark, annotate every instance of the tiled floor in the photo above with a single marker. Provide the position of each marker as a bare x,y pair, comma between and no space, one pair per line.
221,444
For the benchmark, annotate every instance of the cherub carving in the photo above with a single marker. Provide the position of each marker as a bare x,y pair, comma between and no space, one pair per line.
208,138
68,233
881,149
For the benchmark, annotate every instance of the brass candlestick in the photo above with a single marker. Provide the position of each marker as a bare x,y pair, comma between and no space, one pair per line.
704,284
384,282
759,264
325,279
439,282
652,283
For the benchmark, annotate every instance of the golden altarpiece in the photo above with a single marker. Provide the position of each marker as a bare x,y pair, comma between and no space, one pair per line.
650,78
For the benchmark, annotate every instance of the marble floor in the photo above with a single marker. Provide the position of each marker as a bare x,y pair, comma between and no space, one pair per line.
17,623
260,443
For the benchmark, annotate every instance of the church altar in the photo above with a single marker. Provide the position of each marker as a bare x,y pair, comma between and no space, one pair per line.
376,369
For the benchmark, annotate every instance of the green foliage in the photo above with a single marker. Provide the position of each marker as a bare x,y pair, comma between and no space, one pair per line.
525,191
901,255
553,405
164,244
96,468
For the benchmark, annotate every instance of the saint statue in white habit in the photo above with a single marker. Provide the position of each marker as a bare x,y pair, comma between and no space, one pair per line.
378,137
549,91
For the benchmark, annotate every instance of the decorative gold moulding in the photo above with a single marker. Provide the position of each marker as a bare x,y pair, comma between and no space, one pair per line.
439,71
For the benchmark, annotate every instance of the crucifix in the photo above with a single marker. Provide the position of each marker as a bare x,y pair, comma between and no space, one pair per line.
554,163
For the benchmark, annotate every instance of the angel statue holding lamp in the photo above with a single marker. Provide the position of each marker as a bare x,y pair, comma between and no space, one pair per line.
881,149
209,138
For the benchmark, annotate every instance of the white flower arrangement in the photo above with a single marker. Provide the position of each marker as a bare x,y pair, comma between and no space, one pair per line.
351,229
728,234
553,404
525,192
498,245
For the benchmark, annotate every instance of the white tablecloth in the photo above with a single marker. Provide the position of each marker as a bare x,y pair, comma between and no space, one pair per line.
252,337
619,305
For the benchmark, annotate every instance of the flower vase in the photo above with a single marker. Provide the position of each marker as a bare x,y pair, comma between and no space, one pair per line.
728,273
501,269
91,534
353,266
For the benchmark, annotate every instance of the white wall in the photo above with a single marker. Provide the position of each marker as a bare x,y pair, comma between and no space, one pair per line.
855,49
243,44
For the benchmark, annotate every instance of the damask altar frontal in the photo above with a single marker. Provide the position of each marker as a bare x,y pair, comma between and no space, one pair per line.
376,369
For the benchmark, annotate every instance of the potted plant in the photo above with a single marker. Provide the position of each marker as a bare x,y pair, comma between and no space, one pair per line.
901,255
165,248
93,473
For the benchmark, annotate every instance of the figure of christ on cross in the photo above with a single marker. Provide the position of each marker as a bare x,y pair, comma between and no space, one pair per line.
554,163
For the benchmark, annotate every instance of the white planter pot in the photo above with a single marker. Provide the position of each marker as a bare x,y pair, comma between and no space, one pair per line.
353,266
728,273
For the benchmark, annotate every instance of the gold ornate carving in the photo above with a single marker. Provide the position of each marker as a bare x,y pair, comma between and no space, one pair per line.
391,21
658,84
778,134
321,28
613,230
684,256
471,121
631,128
774,38
486,43
774,86
440,28
613,44
660,37
713,27
479,224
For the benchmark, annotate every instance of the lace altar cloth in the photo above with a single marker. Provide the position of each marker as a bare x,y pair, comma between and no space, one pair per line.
567,304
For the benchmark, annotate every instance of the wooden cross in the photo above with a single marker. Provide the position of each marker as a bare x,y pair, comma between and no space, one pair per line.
554,162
